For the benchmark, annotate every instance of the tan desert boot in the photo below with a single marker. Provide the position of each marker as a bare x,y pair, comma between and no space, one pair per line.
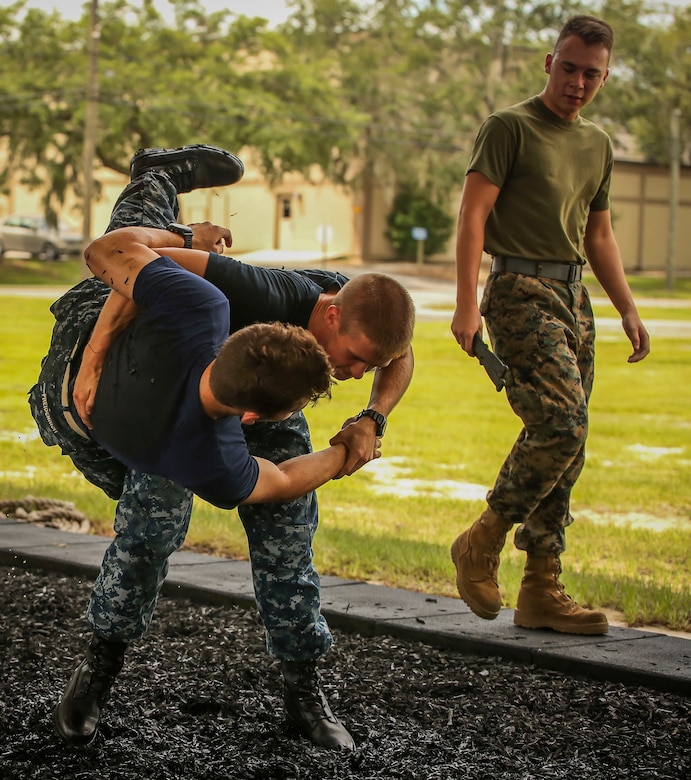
542,602
475,554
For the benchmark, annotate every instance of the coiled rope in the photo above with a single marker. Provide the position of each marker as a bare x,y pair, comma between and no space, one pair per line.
48,512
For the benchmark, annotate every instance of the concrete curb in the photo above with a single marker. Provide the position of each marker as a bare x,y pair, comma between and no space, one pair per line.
628,656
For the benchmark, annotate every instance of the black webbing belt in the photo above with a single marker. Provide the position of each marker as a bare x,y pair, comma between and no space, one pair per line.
562,272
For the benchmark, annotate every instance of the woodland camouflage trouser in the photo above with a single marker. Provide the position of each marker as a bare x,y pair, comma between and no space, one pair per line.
544,332
153,514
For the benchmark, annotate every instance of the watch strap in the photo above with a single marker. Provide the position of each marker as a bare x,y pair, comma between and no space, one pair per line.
182,230
378,418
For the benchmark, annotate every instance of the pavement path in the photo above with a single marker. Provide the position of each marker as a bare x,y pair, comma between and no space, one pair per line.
434,294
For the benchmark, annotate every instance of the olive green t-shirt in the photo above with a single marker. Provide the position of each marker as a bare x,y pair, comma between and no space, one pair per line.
551,173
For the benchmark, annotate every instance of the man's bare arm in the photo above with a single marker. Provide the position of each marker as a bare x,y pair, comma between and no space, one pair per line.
118,256
115,316
120,310
477,201
388,387
391,382
605,260
296,477
119,313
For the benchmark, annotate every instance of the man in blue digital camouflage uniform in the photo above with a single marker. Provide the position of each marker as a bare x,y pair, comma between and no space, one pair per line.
536,198
364,324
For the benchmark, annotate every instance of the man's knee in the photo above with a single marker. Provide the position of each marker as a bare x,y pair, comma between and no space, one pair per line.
570,437
152,516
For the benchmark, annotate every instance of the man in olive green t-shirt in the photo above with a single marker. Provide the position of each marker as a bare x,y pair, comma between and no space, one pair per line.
536,198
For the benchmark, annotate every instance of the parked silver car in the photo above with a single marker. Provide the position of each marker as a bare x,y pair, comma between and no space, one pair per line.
36,237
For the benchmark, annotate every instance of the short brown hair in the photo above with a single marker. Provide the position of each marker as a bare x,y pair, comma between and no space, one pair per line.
381,308
589,29
270,369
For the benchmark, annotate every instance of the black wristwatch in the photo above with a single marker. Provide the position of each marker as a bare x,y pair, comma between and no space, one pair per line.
182,230
378,418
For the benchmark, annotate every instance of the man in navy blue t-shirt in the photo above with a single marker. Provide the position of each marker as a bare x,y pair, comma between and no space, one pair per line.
160,406
364,324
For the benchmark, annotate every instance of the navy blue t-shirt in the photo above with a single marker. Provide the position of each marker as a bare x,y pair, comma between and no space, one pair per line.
147,411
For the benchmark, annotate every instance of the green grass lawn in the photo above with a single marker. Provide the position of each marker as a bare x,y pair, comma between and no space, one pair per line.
41,272
648,286
393,522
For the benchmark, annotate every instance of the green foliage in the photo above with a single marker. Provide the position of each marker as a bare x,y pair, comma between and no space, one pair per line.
651,74
204,80
415,209
386,91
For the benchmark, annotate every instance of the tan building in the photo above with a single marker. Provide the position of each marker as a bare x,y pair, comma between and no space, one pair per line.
641,213
323,219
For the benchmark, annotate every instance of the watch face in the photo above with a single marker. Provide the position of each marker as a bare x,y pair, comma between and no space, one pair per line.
183,230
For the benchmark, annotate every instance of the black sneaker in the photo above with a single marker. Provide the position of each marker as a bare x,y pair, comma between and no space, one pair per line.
78,715
307,708
190,167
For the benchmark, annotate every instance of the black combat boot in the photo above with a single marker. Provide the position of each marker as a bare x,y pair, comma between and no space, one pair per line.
190,167
307,707
78,715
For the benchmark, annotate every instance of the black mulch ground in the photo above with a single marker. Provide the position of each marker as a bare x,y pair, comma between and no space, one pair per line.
200,698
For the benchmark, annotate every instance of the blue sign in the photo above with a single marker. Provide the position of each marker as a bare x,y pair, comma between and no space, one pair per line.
419,233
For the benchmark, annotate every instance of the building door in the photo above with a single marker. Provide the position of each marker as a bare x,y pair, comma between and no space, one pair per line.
284,221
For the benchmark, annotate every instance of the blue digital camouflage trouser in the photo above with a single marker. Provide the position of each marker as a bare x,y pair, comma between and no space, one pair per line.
544,332
153,514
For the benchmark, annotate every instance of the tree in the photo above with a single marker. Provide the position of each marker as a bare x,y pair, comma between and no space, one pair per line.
390,92
37,117
205,80
651,75
413,209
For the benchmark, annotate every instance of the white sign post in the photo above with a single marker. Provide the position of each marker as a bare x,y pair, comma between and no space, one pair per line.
324,236
420,235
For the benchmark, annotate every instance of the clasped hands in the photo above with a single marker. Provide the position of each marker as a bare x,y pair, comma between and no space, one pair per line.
362,444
